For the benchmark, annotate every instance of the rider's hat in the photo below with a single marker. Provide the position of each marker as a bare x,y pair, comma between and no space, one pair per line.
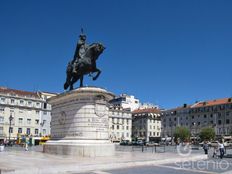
82,36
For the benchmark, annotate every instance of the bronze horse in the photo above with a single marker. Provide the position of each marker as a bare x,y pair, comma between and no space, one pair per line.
83,66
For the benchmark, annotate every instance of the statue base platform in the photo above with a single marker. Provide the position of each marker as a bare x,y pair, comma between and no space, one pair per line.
77,148
80,123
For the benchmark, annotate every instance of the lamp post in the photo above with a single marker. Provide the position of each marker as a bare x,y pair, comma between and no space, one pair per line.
171,132
10,119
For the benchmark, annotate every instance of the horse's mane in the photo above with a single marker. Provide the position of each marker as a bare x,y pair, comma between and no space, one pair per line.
93,44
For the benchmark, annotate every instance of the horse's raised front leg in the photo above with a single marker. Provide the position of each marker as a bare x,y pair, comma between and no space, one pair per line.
74,79
67,83
81,80
98,71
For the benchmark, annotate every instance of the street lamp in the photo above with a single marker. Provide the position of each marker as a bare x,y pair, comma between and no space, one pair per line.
171,124
10,119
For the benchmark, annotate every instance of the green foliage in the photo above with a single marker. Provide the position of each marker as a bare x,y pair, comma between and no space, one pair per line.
182,133
207,133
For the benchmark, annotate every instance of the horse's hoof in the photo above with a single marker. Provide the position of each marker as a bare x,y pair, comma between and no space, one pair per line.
66,86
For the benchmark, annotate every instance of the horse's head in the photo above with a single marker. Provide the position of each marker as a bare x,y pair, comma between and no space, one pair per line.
99,48
95,50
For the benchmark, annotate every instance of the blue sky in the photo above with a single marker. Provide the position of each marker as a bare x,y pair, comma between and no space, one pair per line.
162,52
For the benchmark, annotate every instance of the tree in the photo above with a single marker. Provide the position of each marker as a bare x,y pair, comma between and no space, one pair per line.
207,133
182,133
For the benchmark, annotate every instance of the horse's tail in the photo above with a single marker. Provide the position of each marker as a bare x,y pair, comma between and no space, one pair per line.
69,70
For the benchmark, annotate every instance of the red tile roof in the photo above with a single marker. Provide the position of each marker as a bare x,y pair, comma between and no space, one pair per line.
212,102
179,108
18,92
147,110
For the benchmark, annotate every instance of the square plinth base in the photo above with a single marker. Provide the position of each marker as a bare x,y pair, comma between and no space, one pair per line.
80,150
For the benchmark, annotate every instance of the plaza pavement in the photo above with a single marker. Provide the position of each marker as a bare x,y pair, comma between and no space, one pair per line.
35,162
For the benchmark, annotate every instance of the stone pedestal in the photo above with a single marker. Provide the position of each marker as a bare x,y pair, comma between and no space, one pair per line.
80,123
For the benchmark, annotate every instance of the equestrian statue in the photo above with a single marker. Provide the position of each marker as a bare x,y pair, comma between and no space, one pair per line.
83,63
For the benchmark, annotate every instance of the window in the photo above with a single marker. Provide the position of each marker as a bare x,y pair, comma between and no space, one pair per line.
28,121
127,127
112,127
205,116
227,121
45,113
21,102
36,131
20,130
2,109
117,126
1,119
28,131
45,105
10,129
37,112
29,103
1,130
44,131
12,101
219,122
3,100
37,121
20,120
37,104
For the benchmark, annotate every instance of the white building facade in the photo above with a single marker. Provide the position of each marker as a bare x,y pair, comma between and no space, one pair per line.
45,114
22,113
216,114
120,124
126,101
146,124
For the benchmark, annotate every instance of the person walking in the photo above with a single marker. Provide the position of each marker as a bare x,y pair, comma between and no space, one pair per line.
221,149
215,150
206,147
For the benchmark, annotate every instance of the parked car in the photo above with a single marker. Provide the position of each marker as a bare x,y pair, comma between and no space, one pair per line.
125,142
140,142
228,143
152,144
214,144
